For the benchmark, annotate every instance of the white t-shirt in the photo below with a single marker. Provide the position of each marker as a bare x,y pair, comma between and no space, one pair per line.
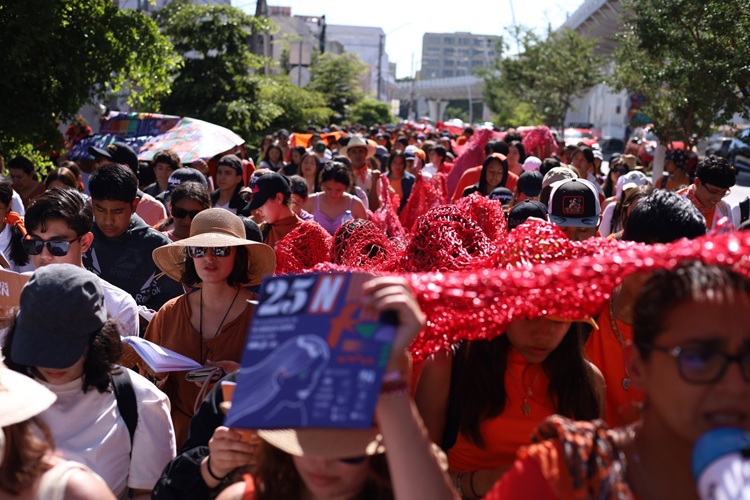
122,307
5,236
429,169
16,204
88,428
226,207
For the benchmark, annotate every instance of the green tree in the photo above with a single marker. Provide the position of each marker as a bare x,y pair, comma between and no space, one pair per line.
300,107
57,55
217,82
369,112
337,78
689,58
546,76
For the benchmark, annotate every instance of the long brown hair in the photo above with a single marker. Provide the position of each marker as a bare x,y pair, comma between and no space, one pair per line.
24,459
277,477
480,383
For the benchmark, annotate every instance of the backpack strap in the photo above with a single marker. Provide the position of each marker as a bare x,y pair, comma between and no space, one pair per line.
744,209
126,402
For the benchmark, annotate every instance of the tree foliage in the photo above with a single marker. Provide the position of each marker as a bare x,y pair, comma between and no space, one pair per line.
217,82
57,55
337,78
299,107
369,112
689,58
545,77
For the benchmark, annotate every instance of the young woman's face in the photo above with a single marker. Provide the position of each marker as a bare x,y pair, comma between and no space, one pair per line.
213,269
513,155
688,409
309,167
398,165
327,478
162,171
19,179
295,156
334,190
580,164
60,376
274,155
493,175
536,338
227,178
185,208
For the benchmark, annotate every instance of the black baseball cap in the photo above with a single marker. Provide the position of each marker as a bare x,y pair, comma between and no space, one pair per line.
530,183
266,187
118,152
502,194
574,203
524,210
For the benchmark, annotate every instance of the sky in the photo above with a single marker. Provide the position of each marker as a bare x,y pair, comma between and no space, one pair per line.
405,21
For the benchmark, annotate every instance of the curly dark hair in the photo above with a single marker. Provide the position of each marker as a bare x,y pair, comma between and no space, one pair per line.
22,463
103,351
716,171
237,278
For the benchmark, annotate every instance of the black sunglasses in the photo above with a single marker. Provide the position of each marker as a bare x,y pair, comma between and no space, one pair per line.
181,213
198,252
353,460
700,365
58,248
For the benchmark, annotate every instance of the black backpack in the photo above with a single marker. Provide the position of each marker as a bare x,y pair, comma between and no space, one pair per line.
126,402
744,210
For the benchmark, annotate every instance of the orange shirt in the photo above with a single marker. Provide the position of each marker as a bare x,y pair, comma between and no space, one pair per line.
510,430
605,350
472,175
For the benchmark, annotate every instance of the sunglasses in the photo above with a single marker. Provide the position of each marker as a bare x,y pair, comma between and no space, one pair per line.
353,460
181,213
198,252
57,248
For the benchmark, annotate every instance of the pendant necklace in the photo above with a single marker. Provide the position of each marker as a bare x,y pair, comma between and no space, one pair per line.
616,330
218,330
525,406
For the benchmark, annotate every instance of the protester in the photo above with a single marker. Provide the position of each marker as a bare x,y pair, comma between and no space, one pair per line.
347,464
121,250
309,168
494,174
300,194
582,160
516,157
612,220
29,466
472,175
437,156
229,173
164,163
10,222
23,177
574,208
529,186
401,181
147,208
183,174
186,200
295,159
358,150
553,175
482,402
675,169
106,417
329,206
272,200
208,325
58,231
61,178
617,168
714,176
273,159
689,328
524,210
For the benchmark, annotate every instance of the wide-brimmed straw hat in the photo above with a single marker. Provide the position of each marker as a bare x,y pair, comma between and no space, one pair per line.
216,227
21,397
326,443
357,141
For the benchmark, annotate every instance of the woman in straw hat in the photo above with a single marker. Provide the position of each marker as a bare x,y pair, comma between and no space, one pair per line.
210,324
29,467
393,461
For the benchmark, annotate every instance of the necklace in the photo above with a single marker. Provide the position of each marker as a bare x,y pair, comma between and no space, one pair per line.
200,327
525,406
616,330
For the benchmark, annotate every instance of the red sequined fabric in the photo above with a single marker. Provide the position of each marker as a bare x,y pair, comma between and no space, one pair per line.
360,244
304,247
386,216
425,195
472,156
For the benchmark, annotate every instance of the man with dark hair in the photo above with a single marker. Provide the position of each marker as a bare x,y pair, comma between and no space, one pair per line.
358,150
59,225
149,209
714,176
471,175
164,162
661,217
123,242
272,198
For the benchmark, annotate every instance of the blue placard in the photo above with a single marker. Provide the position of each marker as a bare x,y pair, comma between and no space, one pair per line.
313,357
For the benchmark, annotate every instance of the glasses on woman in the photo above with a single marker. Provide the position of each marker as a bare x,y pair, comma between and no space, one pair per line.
58,248
702,365
353,460
198,252
181,213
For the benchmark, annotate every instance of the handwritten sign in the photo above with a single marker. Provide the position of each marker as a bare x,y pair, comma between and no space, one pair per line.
313,357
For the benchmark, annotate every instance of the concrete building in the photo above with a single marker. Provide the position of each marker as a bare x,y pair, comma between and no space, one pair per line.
154,5
445,55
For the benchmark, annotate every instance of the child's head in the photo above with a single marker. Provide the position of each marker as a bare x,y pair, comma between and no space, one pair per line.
114,190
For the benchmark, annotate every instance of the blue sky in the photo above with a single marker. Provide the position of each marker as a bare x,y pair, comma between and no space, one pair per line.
405,21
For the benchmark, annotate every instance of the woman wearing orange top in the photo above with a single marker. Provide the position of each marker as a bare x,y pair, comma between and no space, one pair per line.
401,180
483,402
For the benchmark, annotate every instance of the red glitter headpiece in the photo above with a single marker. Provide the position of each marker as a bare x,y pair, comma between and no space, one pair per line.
303,248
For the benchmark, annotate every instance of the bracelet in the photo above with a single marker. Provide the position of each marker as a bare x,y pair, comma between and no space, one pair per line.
393,376
460,490
210,472
471,485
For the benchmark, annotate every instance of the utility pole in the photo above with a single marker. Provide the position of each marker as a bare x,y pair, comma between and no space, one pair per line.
380,64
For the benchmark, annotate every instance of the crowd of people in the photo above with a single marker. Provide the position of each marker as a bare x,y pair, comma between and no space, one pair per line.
564,330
